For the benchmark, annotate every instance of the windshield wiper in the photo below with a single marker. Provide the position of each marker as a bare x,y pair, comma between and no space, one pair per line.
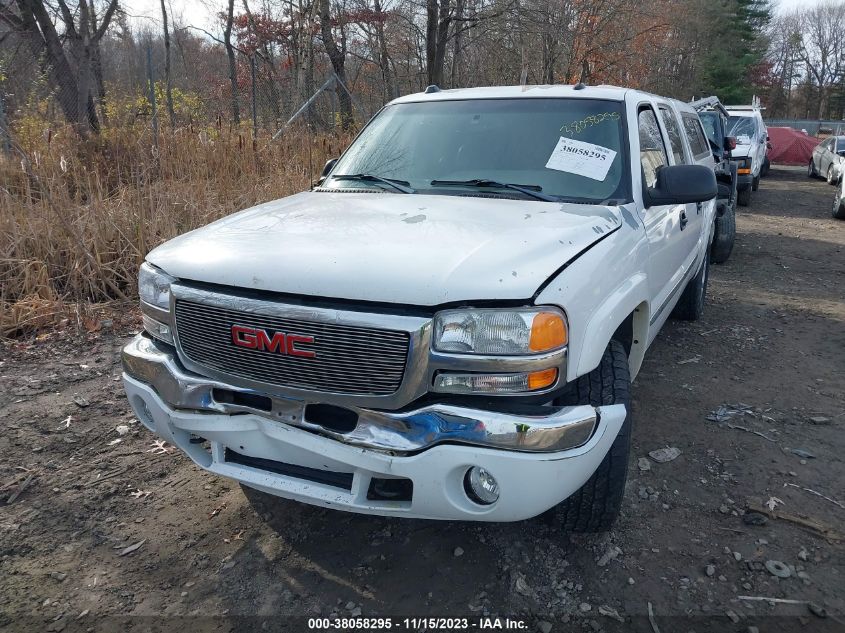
529,190
399,185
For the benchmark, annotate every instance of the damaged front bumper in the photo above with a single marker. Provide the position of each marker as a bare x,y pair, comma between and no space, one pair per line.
293,448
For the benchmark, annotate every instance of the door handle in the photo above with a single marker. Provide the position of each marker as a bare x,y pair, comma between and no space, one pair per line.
698,206
684,220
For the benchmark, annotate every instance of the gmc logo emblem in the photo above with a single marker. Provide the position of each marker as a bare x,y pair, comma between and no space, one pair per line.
277,342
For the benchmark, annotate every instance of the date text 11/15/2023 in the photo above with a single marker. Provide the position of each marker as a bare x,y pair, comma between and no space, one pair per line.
417,624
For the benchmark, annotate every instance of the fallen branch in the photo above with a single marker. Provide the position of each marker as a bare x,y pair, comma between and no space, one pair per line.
767,599
813,525
651,619
17,493
818,494
105,477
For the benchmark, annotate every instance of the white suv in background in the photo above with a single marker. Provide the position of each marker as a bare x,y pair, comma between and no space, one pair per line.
745,123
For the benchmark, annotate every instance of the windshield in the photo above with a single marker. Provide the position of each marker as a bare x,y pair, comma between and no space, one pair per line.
743,128
571,149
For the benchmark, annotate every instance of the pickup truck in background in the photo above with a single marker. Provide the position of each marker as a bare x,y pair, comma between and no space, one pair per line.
746,125
448,325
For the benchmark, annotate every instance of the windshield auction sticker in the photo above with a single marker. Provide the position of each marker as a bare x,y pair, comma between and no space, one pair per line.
582,159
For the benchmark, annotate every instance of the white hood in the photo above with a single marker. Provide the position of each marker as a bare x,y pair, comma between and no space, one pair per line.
408,249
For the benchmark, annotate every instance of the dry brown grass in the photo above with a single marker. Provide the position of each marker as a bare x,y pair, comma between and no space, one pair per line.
77,218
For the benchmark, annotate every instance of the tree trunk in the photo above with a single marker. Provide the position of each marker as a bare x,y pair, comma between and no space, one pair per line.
384,60
168,83
432,11
456,53
233,69
337,56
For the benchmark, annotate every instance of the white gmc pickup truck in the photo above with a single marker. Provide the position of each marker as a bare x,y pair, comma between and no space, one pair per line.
448,324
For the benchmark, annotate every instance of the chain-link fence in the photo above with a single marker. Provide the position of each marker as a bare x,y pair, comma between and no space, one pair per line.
810,126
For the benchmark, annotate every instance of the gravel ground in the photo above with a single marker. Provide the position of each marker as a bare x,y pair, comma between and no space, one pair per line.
110,533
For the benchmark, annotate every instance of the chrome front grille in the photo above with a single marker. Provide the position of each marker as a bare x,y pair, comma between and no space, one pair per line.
349,359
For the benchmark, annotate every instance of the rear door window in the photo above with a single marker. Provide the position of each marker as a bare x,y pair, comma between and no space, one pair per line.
652,149
697,141
674,132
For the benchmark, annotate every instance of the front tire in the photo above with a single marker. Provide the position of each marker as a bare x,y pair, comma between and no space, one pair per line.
595,505
839,206
764,170
743,197
724,235
690,306
811,170
755,183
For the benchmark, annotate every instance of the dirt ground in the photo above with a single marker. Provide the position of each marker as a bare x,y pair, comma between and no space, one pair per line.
772,338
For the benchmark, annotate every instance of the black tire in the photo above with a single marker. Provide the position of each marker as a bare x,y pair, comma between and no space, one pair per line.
595,505
691,304
724,236
764,170
755,183
743,197
839,206
811,170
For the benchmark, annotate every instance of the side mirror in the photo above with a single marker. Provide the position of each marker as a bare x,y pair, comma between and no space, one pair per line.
681,184
328,167
841,152
768,138
730,142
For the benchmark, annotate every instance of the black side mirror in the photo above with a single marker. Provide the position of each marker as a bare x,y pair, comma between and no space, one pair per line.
681,184
841,152
328,167
730,142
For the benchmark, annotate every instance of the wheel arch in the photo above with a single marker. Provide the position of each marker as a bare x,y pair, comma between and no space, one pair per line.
623,316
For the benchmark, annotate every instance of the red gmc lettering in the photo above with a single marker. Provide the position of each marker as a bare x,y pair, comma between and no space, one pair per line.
280,342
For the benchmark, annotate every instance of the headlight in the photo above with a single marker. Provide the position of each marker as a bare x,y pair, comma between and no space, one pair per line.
154,290
522,331
154,286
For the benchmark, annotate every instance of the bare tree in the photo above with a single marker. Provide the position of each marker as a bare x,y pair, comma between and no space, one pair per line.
168,80
821,50
71,71
337,56
230,54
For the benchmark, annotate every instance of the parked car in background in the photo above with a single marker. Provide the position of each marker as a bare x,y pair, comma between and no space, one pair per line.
714,119
839,201
447,325
828,160
745,123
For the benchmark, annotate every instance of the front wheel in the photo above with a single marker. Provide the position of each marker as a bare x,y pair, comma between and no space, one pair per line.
839,205
831,179
743,197
690,306
724,235
755,183
811,169
764,170
595,505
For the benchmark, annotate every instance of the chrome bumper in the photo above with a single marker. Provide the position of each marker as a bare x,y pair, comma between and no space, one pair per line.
552,429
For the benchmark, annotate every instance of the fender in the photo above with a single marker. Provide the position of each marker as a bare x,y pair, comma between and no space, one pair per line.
631,296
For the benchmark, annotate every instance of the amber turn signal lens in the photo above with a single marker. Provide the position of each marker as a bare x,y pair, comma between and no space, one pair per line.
541,379
548,331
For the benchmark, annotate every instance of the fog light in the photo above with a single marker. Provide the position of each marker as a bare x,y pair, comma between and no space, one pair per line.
495,383
481,486
157,329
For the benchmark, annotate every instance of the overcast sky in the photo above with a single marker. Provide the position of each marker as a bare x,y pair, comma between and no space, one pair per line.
200,12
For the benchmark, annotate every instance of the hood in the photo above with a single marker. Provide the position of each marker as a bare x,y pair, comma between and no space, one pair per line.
394,248
740,151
